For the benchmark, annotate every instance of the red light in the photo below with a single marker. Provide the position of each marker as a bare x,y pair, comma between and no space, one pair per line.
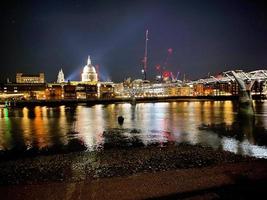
158,66
170,50
166,74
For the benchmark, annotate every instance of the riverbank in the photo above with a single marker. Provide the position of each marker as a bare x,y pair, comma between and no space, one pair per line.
128,173
57,102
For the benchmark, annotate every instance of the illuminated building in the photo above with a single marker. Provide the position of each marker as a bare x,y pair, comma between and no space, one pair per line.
208,90
119,89
60,77
106,90
184,91
69,91
138,83
173,91
81,91
224,88
54,92
199,89
34,86
29,90
91,91
29,78
234,89
89,73
86,91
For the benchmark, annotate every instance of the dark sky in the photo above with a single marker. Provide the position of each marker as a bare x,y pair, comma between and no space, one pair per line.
206,36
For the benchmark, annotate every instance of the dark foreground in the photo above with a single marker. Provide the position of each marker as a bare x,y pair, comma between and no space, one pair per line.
170,171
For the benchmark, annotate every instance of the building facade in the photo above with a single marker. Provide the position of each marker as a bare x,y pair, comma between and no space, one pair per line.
30,78
29,90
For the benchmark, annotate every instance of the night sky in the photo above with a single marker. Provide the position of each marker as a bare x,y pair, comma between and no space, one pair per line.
205,37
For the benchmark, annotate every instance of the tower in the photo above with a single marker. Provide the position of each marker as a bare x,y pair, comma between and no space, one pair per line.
60,77
144,70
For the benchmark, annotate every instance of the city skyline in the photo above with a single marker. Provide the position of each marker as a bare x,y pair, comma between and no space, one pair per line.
206,37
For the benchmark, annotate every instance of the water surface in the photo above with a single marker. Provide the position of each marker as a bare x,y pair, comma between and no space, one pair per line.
85,128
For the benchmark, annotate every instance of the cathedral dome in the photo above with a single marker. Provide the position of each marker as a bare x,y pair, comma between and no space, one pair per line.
89,69
89,72
92,69
85,69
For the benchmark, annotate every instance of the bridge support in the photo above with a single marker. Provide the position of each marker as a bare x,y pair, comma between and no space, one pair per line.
133,100
245,99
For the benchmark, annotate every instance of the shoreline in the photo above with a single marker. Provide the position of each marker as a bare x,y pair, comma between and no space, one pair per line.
229,181
57,102
140,172
113,162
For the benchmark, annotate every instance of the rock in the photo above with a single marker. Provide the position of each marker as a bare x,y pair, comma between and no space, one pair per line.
120,120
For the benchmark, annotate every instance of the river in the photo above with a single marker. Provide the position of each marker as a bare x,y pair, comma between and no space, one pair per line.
39,130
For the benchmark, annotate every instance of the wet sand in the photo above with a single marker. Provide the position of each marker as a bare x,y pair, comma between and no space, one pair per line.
130,173
230,181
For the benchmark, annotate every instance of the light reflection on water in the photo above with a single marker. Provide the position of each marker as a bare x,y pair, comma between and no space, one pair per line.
212,123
